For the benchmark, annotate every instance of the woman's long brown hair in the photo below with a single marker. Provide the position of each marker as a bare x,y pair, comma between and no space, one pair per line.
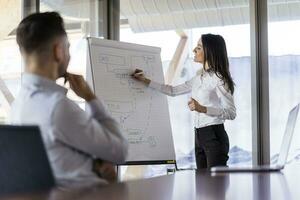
215,56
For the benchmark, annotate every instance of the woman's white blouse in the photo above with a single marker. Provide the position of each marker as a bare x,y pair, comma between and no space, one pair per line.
208,90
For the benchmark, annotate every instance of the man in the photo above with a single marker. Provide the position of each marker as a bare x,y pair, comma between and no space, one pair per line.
73,138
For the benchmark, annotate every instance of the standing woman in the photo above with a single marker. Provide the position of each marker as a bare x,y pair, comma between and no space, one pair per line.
212,100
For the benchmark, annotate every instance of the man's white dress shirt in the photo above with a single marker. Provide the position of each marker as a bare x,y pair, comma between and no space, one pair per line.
72,137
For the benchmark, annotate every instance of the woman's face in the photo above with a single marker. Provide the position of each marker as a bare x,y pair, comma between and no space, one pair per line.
199,53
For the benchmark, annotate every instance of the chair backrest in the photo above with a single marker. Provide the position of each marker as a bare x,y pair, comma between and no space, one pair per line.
24,165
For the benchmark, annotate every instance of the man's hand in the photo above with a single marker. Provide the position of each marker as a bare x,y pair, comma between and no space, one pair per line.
80,86
195,106
106,170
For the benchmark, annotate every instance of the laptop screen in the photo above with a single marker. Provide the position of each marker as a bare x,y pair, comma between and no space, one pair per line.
287,137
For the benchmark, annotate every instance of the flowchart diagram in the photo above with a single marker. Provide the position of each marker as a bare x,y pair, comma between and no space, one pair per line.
118,69
141,111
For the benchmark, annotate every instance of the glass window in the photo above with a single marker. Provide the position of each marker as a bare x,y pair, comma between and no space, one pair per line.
10,58
82,19
160,25
284,73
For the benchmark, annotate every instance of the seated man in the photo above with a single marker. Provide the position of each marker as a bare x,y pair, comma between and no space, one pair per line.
73,138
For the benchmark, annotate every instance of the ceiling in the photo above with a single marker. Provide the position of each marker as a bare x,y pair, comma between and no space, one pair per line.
158,15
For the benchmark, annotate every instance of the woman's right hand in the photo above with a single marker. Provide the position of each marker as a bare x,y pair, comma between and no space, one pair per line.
139,75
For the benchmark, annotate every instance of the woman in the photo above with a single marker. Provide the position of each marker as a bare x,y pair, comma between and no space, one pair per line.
212,100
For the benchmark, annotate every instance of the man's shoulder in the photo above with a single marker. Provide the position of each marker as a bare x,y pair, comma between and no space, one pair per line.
51,99
66,113
64,102
35,106
65,105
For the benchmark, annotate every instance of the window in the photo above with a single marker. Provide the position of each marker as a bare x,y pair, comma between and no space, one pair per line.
10,58
162,24
81,20
284,73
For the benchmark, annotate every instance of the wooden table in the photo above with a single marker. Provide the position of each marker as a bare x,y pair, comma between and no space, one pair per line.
189,185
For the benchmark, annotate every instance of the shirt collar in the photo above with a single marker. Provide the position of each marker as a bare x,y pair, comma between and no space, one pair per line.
36,81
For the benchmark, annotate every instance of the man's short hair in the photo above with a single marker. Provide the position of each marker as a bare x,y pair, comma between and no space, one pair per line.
37,31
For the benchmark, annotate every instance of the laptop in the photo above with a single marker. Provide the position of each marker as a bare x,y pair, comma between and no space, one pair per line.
24,165
283,154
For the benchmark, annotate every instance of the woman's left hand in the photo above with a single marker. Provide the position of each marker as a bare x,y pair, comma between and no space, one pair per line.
195,106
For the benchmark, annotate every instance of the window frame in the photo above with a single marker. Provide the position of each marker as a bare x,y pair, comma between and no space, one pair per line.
109,11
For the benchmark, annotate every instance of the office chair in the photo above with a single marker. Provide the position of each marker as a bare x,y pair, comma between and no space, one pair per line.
24,165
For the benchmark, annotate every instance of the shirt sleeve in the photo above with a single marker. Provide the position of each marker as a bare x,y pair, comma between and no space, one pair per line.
93,132
172,90
227,110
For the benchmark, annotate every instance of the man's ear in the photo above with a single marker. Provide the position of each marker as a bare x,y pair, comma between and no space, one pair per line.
58,52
